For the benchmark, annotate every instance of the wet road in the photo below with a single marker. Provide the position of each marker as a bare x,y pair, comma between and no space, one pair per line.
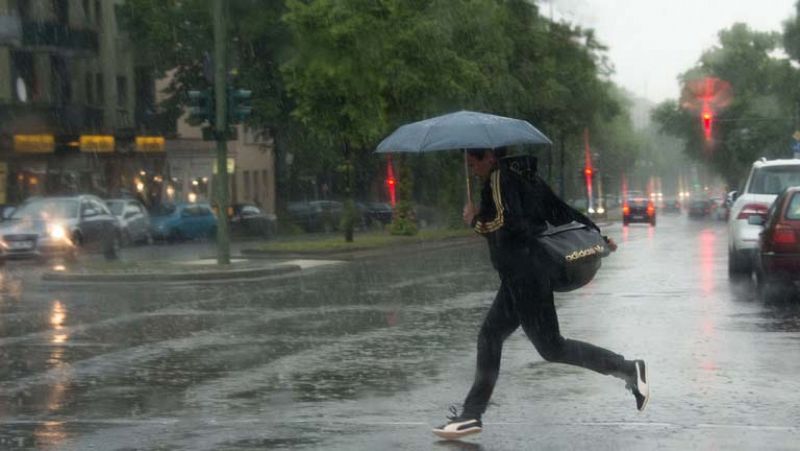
369,354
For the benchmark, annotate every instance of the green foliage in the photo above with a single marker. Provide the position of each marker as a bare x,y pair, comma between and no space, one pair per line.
404,222
329,75
759,120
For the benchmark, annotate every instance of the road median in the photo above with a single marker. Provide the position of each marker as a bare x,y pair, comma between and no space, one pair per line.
183,271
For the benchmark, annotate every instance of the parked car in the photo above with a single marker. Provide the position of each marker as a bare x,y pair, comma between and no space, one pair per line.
326,215
183,221
699,208
133,218
6,210
777,262
638,209
378,212
300,214
45,227
671,205
766,180
250,220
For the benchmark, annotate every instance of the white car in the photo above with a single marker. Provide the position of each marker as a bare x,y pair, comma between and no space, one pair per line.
766,180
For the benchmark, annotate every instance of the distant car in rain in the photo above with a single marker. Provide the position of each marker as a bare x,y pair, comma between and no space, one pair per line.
777,262
46,227
375,212
671,205
133,218
250,220
766,180
638,209
699,208
183,221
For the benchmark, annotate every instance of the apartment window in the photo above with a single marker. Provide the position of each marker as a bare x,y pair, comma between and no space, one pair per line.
87,12
25,84
61,11
89,89
98,84
24,9
122,91
62,84
246,175
97,13
256,190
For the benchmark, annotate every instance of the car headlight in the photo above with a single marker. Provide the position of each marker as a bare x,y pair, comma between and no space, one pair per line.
601,210
591,210
57,232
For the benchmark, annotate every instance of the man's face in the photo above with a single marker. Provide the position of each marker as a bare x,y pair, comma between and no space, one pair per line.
481,167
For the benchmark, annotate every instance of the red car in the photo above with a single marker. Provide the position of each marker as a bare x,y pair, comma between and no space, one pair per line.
778,259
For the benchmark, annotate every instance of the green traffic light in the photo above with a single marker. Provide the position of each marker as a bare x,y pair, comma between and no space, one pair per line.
239,108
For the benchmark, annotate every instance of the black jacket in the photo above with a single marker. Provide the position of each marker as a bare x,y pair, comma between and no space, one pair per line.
516,205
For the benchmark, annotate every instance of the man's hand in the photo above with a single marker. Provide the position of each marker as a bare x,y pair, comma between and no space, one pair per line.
612,245
469,214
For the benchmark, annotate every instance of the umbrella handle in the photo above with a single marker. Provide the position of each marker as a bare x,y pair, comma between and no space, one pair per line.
466,175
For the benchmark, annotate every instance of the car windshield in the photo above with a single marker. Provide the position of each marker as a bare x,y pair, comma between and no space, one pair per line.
163,210
47,209
116,207
774,179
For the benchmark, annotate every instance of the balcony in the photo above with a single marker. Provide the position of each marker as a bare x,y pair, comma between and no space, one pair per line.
55,35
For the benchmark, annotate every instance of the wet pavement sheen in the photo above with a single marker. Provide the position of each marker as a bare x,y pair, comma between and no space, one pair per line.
369,354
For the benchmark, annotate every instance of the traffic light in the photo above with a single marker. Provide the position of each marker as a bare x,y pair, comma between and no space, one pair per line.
201,105
587,172
708,119
239,108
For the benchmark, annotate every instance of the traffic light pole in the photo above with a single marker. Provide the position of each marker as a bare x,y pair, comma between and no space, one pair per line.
219,13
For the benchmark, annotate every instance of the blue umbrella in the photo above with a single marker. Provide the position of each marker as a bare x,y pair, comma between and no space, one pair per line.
462,130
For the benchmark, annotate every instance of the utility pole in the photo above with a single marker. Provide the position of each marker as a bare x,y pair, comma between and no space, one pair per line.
219,13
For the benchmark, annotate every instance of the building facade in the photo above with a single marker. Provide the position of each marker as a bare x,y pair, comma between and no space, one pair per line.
74,107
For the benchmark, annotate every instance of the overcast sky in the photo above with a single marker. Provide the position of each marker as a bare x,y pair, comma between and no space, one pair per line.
652,41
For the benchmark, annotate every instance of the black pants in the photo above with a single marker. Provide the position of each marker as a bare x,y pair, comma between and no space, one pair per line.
528,301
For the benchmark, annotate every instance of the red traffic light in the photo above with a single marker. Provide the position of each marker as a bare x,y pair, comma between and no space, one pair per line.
708,119
390,181
588,172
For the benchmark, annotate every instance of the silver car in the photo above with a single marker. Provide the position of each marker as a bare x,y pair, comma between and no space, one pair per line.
133,219
59,226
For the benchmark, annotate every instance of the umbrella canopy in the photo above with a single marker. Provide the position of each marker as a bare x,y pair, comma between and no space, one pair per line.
462,130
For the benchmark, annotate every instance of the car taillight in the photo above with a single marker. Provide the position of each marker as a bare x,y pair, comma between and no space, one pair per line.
626,210
651,209
784,234
752,209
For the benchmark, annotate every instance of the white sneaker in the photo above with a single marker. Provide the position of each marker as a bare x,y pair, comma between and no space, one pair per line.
458,426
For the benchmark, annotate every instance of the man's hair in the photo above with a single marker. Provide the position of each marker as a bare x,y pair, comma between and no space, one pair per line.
480,154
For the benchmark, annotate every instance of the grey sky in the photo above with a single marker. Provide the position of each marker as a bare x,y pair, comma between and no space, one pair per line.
652,41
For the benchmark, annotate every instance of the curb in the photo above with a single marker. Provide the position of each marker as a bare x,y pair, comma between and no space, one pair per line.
360,253
249,273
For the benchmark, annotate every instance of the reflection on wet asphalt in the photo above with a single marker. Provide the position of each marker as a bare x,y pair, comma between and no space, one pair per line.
369,354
